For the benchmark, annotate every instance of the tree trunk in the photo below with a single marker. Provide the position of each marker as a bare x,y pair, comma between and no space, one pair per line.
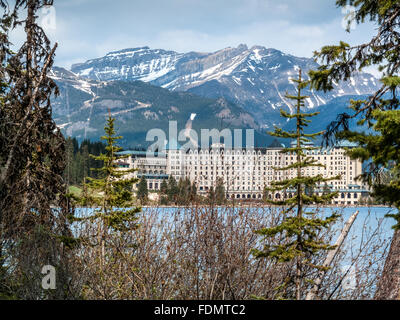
389,283
331,255
299,200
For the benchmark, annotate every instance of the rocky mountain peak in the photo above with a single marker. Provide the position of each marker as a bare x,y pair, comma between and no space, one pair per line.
256,79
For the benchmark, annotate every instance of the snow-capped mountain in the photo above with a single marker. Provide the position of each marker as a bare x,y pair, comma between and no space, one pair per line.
83,105
130,64
256,78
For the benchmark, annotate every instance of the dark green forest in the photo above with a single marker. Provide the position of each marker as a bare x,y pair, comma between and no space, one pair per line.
79,162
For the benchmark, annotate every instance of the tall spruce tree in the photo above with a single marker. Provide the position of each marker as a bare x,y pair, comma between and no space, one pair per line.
172,190
33,202
220,195
211,196
110,194
142,192
379,112
184,192
299,227
164,187
193,193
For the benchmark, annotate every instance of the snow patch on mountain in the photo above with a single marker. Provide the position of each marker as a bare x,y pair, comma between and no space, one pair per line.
254,78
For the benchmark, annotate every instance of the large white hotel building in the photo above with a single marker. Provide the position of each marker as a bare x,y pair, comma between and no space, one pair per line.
247,172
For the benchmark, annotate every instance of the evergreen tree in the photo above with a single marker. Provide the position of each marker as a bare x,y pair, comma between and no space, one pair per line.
193,193
5,291
164,193
299,227
172,189
79,163
111,194
164,200
379,112
180,196
220,196
211,196
184,192
85,161
142,192
164,187
265,193
33,202
68,175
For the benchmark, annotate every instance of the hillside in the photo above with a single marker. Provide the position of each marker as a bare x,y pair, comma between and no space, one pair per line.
256,78
82,107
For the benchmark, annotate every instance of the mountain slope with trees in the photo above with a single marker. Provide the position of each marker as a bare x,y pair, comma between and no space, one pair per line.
255,78
82,107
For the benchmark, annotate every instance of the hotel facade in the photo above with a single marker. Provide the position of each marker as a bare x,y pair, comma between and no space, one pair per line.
246,173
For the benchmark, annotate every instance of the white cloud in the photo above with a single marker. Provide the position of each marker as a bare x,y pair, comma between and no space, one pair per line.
88,29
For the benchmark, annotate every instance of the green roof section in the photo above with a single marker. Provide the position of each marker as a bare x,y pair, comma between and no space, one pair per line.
140,153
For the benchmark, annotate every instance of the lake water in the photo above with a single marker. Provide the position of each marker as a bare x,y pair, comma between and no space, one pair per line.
369,218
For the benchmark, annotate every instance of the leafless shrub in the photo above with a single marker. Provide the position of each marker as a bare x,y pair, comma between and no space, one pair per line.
206,253
356,269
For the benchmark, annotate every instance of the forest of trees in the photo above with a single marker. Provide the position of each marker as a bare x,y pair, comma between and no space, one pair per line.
184,193
102,245
79,161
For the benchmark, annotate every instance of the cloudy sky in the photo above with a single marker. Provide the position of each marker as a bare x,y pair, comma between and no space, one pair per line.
88,29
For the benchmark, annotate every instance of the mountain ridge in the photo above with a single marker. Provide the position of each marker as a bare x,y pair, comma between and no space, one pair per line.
84,104
255,78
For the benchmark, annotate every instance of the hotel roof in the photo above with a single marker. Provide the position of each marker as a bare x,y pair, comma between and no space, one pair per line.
140,153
